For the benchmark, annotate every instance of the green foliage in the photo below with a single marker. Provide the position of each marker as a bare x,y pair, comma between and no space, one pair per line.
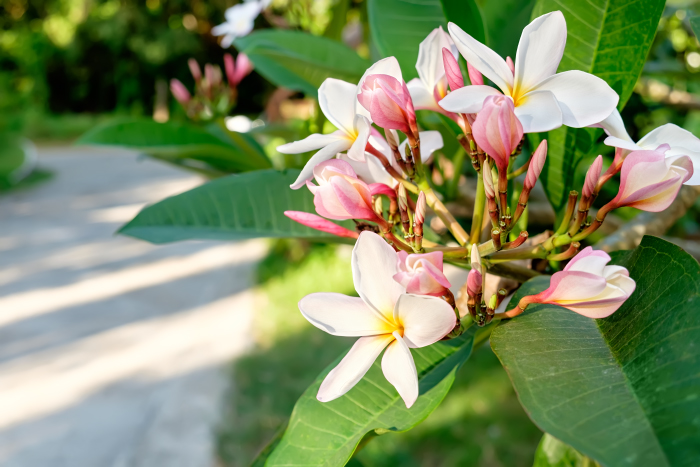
300,61
553,453
504,21
219,150
610,39
695,24
622,390
465,14
328,433
230,208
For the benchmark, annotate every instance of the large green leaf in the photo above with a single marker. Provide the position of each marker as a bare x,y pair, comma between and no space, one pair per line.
301,61
241,206
553,453
326,434
221,150
611,39
504,21
695,24
467,15
623,390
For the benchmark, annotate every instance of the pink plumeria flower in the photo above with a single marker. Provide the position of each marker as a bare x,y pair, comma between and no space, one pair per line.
236,71
338,103
497,130
240,20
340,194
422,273
383,317
650,181
389,103
681,142
543,99
180,92
431,85
319,223
587,286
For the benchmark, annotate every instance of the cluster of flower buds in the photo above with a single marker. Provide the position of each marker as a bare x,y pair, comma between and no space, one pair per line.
212,96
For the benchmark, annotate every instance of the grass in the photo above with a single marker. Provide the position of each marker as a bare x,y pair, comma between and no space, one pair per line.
480,423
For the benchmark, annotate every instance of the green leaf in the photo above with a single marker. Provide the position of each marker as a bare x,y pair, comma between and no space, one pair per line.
301,61
611,39
326,434
467,15
241,206
695,25
223,151
624,389
504,21
553,453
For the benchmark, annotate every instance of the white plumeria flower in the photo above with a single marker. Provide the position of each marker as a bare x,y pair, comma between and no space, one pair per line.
543,100
431,85
240,19
682,142
383,317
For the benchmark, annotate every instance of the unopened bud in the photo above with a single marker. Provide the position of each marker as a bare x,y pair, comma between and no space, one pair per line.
474,283
592,177
230,69
392,137
493,303
454,75
403,209
420,208
474,75
475,257
489,188
511,65
194,69
536,165
409,154
179,91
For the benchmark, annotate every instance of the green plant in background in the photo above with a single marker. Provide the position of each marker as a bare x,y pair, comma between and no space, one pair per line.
620,389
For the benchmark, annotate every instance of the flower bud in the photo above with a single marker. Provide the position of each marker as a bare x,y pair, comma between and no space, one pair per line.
474,283
489,188
497,130
340,194
511,65
422,273
389,103
319,223
420,209
179,91
536,164
195,70
587,286
475,258
392,138
649,181
403,209
474,75
454,75
592,176
243,68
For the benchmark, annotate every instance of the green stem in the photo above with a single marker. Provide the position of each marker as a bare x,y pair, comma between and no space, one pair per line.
445,216
479,205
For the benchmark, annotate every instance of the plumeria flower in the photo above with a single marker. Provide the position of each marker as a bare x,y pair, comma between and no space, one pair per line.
497,130
587,286
338,103
422,273
680,141
543,99
384,317
240,19
431,85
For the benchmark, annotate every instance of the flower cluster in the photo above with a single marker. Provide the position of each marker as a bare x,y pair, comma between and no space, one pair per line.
382,181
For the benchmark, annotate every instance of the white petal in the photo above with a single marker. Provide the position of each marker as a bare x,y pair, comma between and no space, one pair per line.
430,141
488,62
540,50
467,100
311,143
352,367
362,128
429,65
425,319
340,315
682,141
228,40
400,370
616,142
694,180
369,171
593,264
328,152
374,264
539,111
614,126
584,99
386,66
337,101
422,99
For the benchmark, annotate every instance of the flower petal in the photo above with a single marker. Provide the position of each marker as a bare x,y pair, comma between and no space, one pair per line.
422,99
429,65
430,141
608,301
311,143
538,111
340,315
584,99
573,286
352,367
386,66
337,101
327,153
589,260
614,126
616,142
374,264
425,319
400,370
469,99
540,50
488,62
682,142
362,127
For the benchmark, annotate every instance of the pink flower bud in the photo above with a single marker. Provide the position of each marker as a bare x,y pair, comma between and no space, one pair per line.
422,273
389,103
497,130
587,286
489,188
420,208
592,177
511,65
319,223
650,181
536,164
340,194
179,91
474,75
194,69
474,283
243,68
392,139
212,74
452,71
229,69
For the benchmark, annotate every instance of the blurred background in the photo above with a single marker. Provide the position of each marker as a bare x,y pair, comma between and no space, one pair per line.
117,352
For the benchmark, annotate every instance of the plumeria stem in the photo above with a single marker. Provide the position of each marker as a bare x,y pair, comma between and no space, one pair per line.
479,206
445,216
